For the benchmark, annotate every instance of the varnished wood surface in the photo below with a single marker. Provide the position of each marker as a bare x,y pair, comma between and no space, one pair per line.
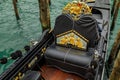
50,73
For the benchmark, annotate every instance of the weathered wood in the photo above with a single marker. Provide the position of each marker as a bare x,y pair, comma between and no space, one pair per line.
114,49
49,2
113,7
115,75
15,9
50,73
44,14
115,15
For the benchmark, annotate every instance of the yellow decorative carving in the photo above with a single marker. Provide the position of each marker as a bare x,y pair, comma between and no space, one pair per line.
72,31
77,8
78,43
64,40
71,39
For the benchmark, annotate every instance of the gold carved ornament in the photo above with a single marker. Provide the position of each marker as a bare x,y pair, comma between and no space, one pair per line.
76,8
71,40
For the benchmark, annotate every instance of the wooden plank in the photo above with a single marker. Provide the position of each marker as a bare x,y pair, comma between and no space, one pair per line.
115,75
113,7
102,4
114,49
115,14
50,73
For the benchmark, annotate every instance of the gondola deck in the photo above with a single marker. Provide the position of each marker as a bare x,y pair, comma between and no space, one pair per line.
51,73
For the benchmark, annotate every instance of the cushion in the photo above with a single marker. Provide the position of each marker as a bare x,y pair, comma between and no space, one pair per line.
87,26
68,55
84,31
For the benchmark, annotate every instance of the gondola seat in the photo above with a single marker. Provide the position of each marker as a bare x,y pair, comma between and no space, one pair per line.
66,56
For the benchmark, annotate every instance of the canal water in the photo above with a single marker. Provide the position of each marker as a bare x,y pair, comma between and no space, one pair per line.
14,35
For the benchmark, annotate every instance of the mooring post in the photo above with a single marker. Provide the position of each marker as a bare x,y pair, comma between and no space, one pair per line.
114,49
113,7
49,2
15,9
115,14
44,14
115,74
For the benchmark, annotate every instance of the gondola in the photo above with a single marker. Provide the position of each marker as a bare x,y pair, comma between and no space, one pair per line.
74,50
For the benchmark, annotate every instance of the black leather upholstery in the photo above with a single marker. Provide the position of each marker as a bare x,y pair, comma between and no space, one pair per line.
63,23
67,59
68,55
87,26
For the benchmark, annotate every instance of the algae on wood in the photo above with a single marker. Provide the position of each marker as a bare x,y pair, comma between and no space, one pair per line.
114,49
44,14
15,9
114,12
113,7
115,75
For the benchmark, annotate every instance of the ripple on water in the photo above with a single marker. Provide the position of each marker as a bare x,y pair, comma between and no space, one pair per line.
14,35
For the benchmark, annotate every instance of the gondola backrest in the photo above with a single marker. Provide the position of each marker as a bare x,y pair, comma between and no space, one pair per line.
63,24
85,28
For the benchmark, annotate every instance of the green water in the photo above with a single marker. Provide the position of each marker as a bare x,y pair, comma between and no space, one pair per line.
113,33
15,35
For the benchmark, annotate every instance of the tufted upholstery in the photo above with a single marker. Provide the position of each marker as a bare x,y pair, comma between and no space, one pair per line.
69,59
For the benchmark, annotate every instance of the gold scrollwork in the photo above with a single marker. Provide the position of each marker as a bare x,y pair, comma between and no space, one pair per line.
71,39
77,8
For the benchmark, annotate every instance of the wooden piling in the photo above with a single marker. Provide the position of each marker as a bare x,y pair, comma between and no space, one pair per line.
44,14
49,2
114,49
15,9
115,75
115,14
113,7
